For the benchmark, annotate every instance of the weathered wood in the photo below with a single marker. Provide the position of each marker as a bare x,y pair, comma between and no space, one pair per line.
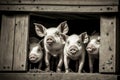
7,42
108,54
55,76
62,2
21,43
58,8
16,76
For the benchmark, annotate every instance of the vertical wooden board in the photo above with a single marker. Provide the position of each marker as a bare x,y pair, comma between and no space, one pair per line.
21,39
108,55
7,42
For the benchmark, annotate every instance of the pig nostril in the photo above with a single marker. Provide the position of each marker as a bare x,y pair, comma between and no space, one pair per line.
32,57
73,50
94,49
49,39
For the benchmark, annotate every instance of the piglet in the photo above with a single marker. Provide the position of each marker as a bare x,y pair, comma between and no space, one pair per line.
53,42
35,54
93,50
75,50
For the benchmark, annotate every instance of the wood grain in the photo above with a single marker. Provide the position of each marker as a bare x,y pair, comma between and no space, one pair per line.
59,8
62,2
7,42
108,53
21,43
56,76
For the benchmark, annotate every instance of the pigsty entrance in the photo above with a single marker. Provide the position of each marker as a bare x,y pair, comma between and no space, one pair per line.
77,24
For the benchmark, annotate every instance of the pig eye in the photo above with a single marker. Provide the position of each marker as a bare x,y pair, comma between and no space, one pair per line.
57,33
79,42
67,42
39,50
98,42
45,33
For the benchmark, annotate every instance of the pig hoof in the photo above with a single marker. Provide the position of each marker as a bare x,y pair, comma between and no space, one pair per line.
30,70
79,71
66,71
39,71
58,70
47,70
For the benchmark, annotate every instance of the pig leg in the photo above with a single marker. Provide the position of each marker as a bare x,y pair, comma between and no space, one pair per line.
76,66
30,67
39,66
81,63
47,58
60,63
91,63
66,63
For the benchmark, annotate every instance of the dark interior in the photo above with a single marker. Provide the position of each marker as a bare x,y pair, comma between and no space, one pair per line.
77,23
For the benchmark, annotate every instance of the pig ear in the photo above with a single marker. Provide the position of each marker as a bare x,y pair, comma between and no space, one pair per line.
33,40
40,29
63,27
84,37
98,39
41,43
64,37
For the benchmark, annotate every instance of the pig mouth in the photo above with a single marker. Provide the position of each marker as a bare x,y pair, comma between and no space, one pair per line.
91,50
34,60
74,53
50,43
74,56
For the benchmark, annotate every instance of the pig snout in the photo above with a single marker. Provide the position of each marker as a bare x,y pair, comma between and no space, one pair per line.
50,40
33,57
73,50
91,49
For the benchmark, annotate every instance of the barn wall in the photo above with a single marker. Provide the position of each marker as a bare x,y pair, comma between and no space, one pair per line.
58,76
108,49
62,2
15,33
14,41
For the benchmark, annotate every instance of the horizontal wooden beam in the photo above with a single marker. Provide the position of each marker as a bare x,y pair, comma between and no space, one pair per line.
51,8
56,76
62,2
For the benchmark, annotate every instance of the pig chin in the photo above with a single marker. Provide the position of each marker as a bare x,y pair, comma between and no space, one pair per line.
50,43
74,55
93,52
35,60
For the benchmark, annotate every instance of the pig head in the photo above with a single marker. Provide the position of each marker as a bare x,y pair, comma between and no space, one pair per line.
53,42
75,49
36,52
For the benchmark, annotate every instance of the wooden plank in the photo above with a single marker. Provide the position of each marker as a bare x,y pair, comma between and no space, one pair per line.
62,2
7,42
16,76
21,42
53,8
108,54
74,76
56,76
